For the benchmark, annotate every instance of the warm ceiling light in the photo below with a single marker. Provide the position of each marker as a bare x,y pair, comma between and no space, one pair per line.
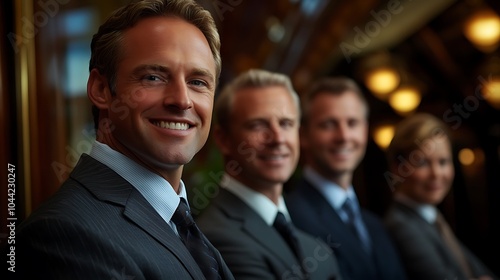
275,30
478,156
405,99
491,92
483,30
466,156
382,81
382,135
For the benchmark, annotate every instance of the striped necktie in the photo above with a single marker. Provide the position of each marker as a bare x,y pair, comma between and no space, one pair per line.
355,223
193,238
453,244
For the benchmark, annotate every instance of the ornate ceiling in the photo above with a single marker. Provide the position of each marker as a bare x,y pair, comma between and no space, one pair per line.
311,38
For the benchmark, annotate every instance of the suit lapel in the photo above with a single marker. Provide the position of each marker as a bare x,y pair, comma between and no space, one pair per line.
139,211
269,238
108,186
428,230
338,234
254,226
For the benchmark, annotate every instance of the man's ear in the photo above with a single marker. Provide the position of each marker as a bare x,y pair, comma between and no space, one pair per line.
98,90
221,141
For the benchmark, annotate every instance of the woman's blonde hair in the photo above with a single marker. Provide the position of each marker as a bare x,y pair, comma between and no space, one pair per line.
411,133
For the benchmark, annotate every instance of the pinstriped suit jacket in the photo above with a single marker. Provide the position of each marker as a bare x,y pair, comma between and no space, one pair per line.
98,226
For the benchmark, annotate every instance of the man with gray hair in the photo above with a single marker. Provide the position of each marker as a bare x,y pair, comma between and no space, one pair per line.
257,123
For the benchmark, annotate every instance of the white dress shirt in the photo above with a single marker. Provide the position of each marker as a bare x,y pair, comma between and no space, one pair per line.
260,203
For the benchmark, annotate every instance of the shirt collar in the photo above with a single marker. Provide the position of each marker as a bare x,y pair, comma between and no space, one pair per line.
258,202
333,193
155,189
427,211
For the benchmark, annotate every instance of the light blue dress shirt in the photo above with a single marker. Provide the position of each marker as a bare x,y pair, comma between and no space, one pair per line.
336,197
333,193
155,189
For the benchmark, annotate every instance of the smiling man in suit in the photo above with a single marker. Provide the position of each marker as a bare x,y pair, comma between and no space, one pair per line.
334,134
257,124
153,72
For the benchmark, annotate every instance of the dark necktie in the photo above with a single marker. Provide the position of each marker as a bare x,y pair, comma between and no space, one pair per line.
355,223
288,233
192,237
452,243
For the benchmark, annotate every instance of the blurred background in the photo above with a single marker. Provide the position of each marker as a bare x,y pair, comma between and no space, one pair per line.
436,56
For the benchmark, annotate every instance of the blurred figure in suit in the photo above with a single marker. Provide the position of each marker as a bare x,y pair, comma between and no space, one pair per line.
257,123
421,173
334,135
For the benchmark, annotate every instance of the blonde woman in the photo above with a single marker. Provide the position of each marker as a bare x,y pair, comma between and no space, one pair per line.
421,172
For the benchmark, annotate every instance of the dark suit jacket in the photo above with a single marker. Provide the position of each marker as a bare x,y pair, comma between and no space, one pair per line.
98,226
422,249
311,212
253,249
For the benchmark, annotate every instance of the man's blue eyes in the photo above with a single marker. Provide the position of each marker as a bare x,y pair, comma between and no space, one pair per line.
198,83
152,78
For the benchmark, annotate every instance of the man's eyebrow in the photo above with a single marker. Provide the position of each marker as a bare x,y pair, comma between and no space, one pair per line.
255,120
150,67
288,118
203,72
160,68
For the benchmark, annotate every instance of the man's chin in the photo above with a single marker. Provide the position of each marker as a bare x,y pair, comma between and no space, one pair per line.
340,170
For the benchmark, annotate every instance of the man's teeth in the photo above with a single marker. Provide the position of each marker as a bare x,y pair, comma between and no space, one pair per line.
274,157
172,125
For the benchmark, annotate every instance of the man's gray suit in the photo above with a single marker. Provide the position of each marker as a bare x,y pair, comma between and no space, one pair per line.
98,226
254,250
422,249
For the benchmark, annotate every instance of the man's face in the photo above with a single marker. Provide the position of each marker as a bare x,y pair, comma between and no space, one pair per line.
165,86
335,136
263,136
